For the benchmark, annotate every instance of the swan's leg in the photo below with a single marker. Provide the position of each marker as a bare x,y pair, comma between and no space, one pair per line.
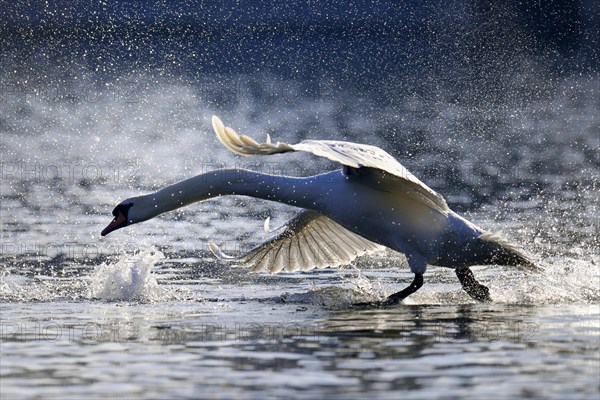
470,285
396,298
417,265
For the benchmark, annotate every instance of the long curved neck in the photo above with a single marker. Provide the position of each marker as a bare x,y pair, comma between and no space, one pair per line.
299,192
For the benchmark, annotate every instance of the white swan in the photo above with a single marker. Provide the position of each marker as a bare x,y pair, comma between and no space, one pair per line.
373,202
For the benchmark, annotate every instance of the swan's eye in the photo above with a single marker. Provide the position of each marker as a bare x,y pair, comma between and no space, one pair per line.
121,208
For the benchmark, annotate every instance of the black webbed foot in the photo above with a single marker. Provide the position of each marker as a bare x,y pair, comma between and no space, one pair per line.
396,298
473,288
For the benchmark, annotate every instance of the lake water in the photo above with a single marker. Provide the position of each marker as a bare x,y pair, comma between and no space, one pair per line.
147,312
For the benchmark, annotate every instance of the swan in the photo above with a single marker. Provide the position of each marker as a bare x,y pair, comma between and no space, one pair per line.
371,203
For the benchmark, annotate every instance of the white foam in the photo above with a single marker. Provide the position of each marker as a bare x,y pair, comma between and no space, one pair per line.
564,280
130,278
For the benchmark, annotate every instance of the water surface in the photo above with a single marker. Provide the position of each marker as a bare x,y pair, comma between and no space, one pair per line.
147,312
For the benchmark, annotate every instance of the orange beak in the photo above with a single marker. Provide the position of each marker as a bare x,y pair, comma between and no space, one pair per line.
114,224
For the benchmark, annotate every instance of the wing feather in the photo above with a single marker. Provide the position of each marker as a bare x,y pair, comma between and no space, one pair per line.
392,176
309,241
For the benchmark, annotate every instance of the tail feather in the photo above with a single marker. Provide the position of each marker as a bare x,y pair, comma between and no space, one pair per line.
504,252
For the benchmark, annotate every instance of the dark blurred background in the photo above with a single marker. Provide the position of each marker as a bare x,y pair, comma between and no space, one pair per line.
473,50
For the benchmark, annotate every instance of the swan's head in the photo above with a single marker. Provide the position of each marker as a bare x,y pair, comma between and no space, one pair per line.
130,211
121,218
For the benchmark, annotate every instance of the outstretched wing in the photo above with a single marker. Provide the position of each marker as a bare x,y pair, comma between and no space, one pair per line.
394,177
310,240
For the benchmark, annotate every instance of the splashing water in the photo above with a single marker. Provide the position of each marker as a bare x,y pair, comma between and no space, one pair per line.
567,281
130,278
